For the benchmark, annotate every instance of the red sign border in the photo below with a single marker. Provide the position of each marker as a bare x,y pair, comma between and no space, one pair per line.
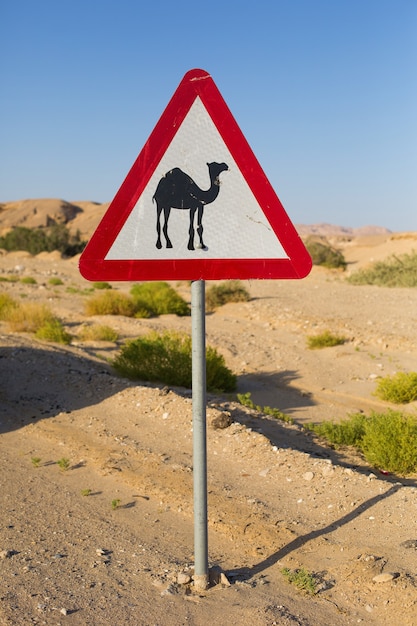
93,265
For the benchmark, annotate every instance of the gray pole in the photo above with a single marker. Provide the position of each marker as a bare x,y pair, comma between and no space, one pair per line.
198,336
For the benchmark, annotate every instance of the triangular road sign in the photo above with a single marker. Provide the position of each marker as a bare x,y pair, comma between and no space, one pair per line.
196,204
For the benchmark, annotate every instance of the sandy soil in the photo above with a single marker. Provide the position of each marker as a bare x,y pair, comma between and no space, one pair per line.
277,497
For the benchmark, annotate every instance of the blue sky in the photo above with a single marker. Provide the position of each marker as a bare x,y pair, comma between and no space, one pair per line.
325,92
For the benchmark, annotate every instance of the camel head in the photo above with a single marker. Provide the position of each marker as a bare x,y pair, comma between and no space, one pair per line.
216,169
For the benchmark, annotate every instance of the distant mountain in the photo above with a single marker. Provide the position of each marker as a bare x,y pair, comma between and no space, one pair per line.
84,217
78,216
330,230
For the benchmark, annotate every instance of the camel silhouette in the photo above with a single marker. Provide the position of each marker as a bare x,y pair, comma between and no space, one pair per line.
177,190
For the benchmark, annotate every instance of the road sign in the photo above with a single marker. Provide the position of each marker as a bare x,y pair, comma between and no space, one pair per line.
196,204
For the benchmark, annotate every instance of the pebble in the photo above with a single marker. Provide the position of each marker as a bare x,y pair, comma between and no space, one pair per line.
383,578
308,476
183,578
6,554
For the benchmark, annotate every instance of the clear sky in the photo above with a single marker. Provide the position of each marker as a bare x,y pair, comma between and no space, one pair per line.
325,92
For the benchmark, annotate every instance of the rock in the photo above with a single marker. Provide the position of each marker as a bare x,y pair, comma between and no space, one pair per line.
6,554
183,578
383,578
308,476
409,543
221,421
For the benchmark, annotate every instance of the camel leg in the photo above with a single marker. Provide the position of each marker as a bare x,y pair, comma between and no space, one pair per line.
167,211
191,230
158,226
200,226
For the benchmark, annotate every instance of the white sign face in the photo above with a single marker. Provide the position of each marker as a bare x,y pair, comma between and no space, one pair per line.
234,226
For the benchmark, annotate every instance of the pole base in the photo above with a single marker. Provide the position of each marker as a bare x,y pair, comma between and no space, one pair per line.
201,581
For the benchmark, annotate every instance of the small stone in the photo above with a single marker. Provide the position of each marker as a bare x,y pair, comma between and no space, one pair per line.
224,580
64,611
383,578
183,578
308,476
6,554
409,543
221,421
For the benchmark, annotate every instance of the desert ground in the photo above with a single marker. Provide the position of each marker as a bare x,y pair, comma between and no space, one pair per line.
277,496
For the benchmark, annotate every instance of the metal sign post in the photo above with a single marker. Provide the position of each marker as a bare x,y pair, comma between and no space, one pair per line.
198,337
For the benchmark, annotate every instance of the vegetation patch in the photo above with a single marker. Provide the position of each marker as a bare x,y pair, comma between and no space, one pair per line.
100,284
400,388
324,340
167,358
98,332
246,400
229,291
388,440
158,298
324,254
6,305
110,303
397,271
36,240
53,331
301,578
28,280
55,281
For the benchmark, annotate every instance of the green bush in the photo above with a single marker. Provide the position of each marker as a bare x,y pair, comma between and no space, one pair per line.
6,304
158,298
400,388
167,358
28,280
388,440
324,254
100,284
301,578
54,332
349,432
36,240
110,303
246,400
55,281
397,271
324,340
229,291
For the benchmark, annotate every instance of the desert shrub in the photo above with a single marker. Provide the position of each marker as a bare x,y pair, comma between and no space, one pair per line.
324,340
301,578
98,332
158,298
229,291
349,432
9,279
110,303
55,281
100,284
397,271
28,280
246,400
28,317
36,240
324,254
167,358
388,440
54,332
400,388
6,304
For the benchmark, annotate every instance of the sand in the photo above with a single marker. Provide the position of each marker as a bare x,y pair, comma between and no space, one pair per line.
277,497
